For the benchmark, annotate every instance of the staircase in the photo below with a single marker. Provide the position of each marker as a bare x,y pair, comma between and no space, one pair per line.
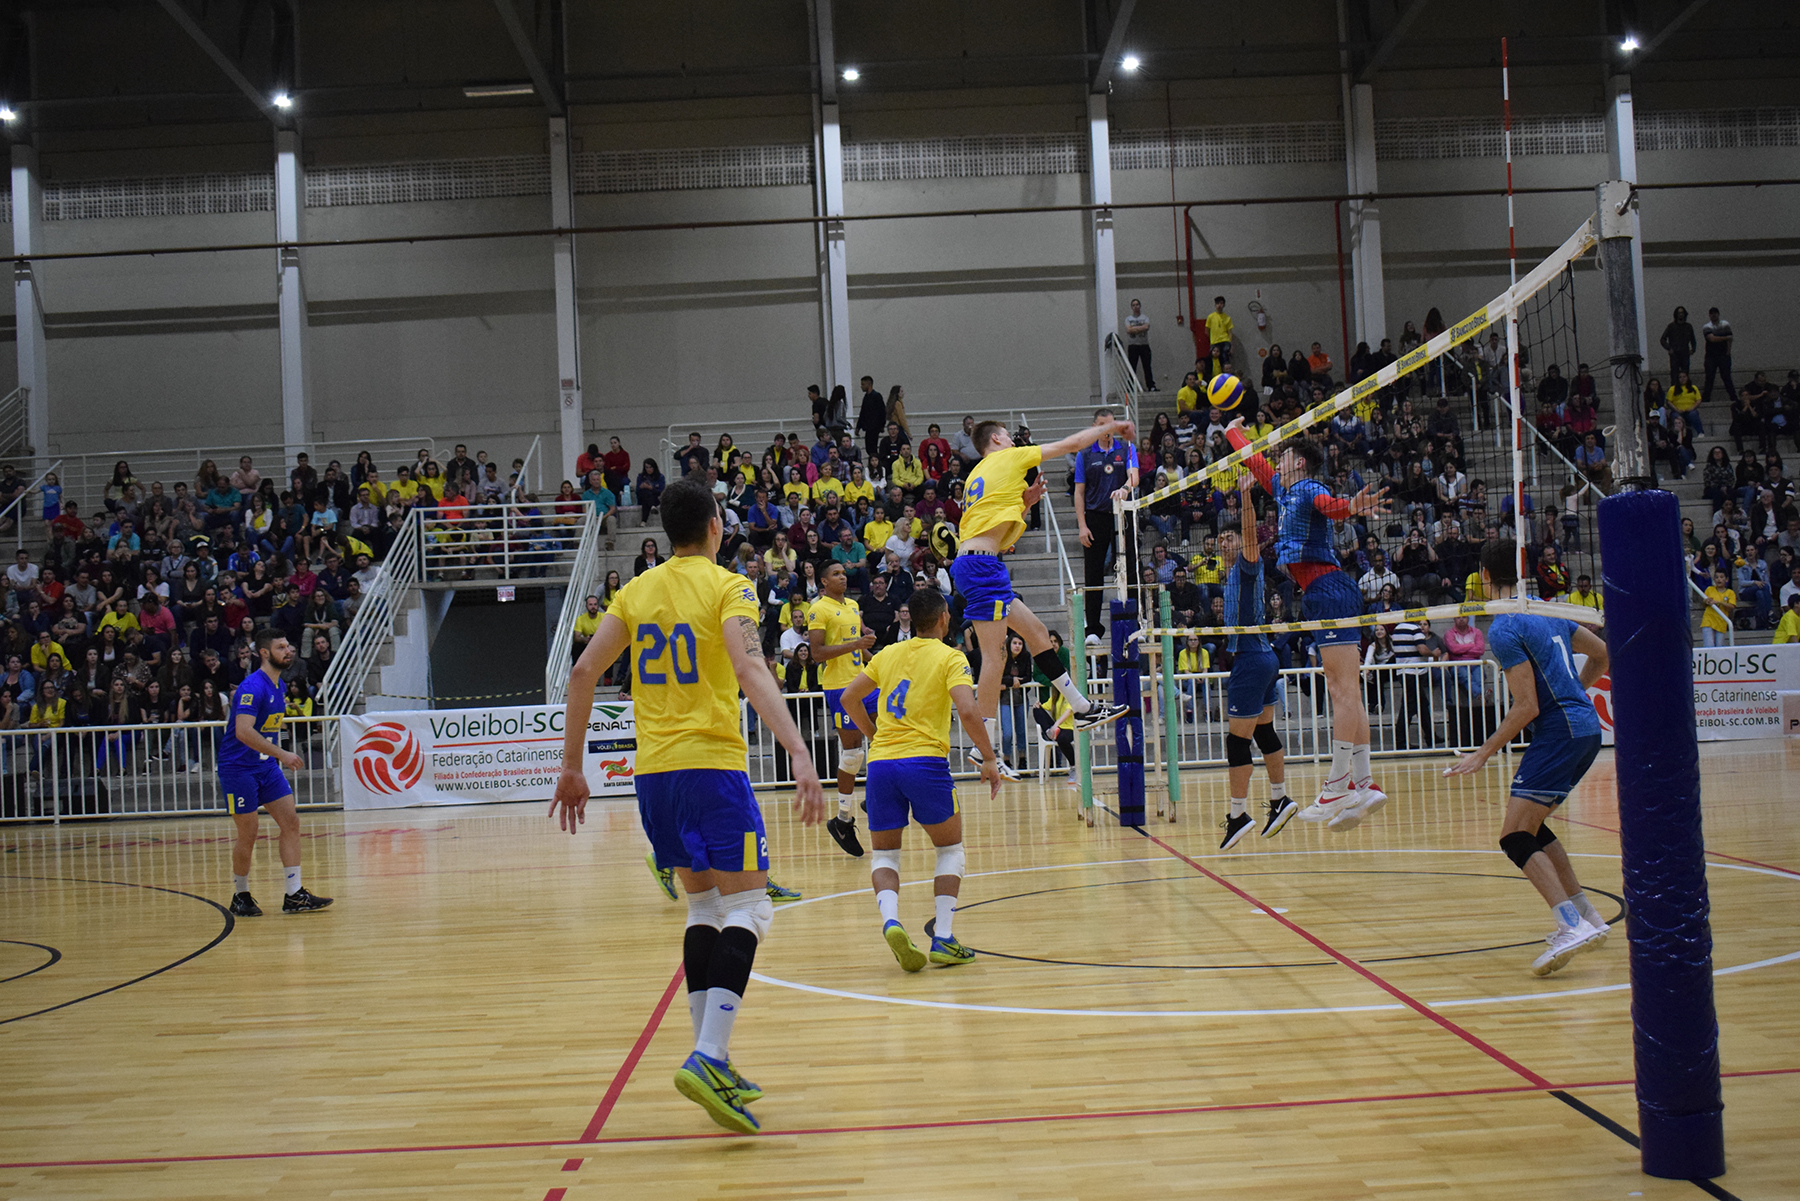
1700,510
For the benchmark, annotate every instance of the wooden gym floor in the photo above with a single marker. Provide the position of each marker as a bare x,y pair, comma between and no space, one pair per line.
493,1010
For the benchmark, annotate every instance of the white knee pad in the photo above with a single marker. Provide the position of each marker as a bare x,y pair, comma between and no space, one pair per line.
887,859
751,910
706,909
950,861
852,760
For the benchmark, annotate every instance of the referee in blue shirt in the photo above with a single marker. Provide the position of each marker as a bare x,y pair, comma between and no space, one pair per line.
1107,469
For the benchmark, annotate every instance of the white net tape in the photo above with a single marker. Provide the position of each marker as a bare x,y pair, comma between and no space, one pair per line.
1521,604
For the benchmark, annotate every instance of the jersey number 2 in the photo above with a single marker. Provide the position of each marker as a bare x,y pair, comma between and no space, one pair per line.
896,701
676,641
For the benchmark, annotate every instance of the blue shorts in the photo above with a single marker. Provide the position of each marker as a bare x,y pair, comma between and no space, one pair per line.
248,789
1333,596
921,785
1552,766
834,708
1255,683
985,584
703,819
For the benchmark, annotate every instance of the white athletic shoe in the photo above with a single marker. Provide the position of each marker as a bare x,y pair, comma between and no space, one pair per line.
1564,946
1366,801
1331,802
1007,771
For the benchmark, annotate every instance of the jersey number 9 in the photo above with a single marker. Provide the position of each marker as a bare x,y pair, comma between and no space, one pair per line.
677,642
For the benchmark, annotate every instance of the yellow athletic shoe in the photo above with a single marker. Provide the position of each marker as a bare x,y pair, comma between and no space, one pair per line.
713,1087
782,896
665,876
911,958
947,952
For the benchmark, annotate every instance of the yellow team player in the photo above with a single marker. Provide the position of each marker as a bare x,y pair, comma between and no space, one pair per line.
916,682
1001,488
1218,332
835,630
690,628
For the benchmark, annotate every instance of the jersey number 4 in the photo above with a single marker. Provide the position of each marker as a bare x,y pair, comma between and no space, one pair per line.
677,642
896,701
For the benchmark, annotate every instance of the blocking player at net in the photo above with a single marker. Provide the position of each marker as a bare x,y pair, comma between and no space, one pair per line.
1550,699
250,766
915,683
1304,550
1003,486
690,626
835,631
1255,683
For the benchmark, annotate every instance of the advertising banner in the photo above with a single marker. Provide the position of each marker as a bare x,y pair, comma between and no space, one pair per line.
473,756
1737,691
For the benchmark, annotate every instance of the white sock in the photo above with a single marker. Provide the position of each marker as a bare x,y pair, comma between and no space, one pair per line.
1359,764
888,901
1239,805
240,884
1072,694
992,726
946,906
1586,908
1567,916
1340,761
293,880
1277,790
697,1010
722,1007
847,807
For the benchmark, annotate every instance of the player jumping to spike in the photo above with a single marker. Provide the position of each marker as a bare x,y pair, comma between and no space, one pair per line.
1303,549
917,682
1550,699
1255,683
1003,486
690,626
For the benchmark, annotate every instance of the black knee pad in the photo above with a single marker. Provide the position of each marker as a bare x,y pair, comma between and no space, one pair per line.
1545,835
1237,751
1519,847
1267,739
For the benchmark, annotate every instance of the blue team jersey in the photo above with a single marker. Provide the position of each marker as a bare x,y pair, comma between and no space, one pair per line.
266,703
1244,603
1304,533
1564,710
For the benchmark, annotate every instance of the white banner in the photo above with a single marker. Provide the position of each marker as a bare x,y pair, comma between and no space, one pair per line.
474,756
1737,691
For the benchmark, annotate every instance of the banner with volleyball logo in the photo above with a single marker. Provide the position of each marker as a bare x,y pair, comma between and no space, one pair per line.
472,756
1739,692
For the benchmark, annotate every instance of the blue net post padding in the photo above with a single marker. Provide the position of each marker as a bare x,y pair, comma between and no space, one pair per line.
1674,1026
1128,731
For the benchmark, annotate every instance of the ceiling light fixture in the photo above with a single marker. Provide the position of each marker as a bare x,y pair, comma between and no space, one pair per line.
851,75
1629,44
482,91
1131,62
282,100
8,113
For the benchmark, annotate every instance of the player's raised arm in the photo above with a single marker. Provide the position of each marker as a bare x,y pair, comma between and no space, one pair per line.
744,646
1250,548
1084,438
608,642
1258,465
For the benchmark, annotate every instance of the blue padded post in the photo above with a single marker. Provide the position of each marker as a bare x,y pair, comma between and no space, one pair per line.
1128,731
1674,1027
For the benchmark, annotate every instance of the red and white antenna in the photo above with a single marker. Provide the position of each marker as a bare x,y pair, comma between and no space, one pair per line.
1512,324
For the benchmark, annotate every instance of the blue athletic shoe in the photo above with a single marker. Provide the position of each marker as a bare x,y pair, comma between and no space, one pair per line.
781,896
664,876
947,952
713,1086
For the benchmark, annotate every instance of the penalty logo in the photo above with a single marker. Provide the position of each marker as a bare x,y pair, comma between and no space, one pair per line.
388,759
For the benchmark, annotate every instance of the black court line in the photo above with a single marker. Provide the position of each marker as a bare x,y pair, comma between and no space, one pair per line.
1605,1123
50,962
223,934
1223,967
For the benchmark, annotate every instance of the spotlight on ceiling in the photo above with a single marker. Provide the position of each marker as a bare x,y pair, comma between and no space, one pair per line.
1131,62
851,75
1628,45
282,100
482,91
8,113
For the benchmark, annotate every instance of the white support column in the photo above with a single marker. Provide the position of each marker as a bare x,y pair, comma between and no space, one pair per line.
1368,312
837,269
1621,156
1106,273
28,302
568,319
290,297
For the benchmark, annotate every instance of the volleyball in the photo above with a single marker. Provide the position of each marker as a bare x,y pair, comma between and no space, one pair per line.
943,541
1225,392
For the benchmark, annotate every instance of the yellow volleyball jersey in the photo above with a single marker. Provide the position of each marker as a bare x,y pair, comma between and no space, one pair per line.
684,690
797,492
994,496
842,622
912,713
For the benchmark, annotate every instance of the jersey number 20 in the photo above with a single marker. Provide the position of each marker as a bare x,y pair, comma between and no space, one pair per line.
677,642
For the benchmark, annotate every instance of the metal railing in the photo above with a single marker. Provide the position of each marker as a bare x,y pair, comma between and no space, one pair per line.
584,578
21,504
1705,603
14,423
508,541
534,455
152,769
359,651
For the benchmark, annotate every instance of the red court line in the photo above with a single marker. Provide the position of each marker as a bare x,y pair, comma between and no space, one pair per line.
1419,1007
1786,871
571,1165
556,1194
617,1086
1029,1119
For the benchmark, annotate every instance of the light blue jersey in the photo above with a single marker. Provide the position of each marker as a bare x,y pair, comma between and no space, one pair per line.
1564,710
1244,603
